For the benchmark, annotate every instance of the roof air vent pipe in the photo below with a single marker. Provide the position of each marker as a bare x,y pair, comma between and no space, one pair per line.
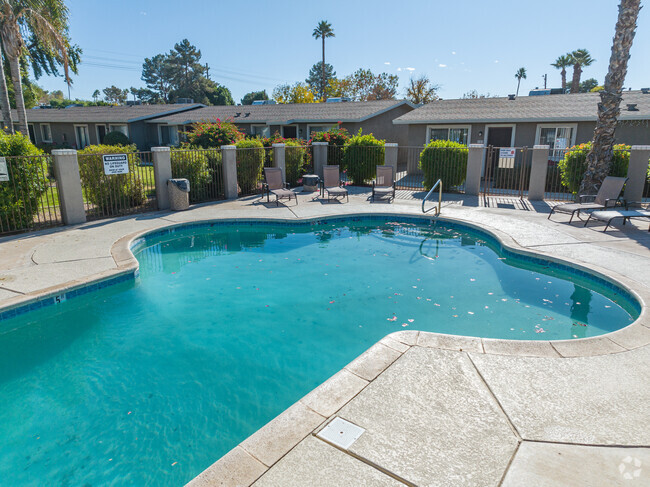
645,91
631,107
511,97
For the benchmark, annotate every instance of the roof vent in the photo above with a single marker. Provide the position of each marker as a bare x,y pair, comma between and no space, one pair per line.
511,97
185,100
237,114
631,107
247,114
645,91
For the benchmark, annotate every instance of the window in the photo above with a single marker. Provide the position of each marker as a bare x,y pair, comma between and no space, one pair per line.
81,132
557,137
119,128
455,134
46,132
32,134
168,135
261,130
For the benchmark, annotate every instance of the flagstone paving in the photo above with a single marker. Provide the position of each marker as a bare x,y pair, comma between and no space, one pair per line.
436,409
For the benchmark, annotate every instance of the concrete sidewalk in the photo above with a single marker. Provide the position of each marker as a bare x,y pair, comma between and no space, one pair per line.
436,409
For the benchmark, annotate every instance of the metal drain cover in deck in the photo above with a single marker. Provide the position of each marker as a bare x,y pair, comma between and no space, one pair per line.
341,433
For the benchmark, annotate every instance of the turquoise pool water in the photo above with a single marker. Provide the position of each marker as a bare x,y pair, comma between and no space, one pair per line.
150,381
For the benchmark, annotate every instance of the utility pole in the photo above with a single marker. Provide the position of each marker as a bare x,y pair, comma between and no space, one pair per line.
545,77
207,71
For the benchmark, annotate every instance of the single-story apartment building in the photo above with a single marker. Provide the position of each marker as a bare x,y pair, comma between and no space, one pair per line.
297,120
559,121
78,127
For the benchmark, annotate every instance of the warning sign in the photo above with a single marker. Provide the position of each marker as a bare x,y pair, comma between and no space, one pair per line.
506,153
116,164
4,172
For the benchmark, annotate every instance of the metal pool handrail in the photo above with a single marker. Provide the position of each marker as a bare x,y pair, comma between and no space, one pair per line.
439,207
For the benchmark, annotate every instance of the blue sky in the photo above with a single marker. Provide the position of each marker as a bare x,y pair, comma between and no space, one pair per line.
258,44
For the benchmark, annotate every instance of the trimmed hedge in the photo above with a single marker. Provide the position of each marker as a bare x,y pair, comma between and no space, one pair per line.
446,160
363,153
115,193
194,166
116,138
295,160
250,164
20,197
574,164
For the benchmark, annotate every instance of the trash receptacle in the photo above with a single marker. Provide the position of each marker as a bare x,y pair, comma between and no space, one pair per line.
179,194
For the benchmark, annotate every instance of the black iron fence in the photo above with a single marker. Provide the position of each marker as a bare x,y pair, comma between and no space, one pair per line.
419,168
29,197
507,171
297,162
203,168
250,169
646,189
109,195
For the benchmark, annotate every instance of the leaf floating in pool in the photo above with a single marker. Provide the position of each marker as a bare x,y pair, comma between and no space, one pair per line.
436,304
331,302
472,279
174,463
470,312
410,320
490,294
455,316
405,324
548,318
540,330
267,305
607,306
394,318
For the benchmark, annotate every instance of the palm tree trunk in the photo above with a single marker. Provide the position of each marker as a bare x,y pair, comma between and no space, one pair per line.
322,80
518,83
575,82
5,108
599,158
563,74
14,65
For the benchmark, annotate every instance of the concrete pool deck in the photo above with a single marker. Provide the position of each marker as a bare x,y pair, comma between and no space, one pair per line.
436,409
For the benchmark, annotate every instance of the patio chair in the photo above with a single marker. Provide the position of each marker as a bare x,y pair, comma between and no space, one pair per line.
274,184
331,183
608,216
384,183
607,196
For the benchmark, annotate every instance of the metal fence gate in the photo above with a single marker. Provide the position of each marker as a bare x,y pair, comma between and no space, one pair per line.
507,171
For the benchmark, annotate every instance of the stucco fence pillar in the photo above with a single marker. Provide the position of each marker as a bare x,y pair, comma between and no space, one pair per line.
162,171
320,157
637,172
538,171
279,159
66,171
475,158
390,156
229,158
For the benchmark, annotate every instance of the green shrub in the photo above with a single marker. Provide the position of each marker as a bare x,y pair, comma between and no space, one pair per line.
295,160
110,194
116,138
194,166
446,160
363,153
20,196
212,135
574,164
250,164
336,139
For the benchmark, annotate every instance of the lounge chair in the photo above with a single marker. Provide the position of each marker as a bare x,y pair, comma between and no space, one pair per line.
384,183
608,194
274,184
331,183
608,216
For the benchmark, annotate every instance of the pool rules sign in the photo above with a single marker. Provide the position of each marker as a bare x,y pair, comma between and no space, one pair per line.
4,171
116,164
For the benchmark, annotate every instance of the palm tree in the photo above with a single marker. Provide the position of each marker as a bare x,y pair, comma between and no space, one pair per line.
579,58
563,62
96,94
323,30
599,158
47,20
521,73
5,108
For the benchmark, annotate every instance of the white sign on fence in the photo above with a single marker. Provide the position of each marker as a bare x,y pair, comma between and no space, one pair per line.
506,153
116,164
4,172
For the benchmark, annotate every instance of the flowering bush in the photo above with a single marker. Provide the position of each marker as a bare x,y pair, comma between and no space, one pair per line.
211,135
446,160
193,166
336,139
574,164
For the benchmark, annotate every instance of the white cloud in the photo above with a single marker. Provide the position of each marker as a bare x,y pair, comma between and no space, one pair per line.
143,12
399,69
387,63
442,65
496,61
410,69
453,52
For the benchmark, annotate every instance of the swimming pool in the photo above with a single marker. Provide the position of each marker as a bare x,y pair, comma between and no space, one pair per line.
148,381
